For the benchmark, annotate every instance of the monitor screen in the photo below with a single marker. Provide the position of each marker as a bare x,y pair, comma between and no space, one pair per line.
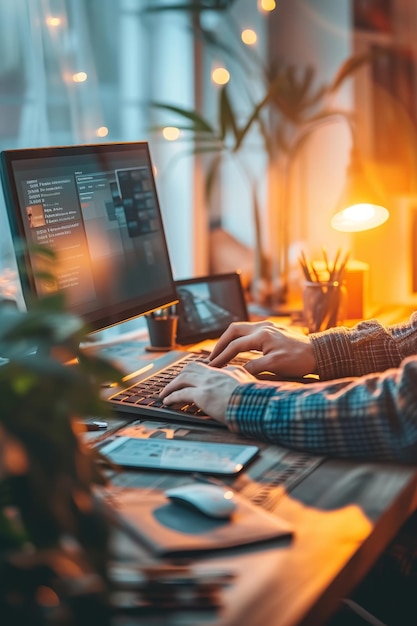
96,206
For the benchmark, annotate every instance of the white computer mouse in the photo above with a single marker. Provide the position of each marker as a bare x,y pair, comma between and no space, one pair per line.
211,500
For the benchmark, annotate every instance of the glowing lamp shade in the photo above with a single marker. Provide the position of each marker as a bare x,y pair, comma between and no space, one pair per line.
360,207
359,217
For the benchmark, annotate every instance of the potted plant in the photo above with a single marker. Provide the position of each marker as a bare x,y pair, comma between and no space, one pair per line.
53,537
292,105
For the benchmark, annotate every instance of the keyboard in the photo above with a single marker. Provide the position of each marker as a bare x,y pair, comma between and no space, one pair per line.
146,377
141,395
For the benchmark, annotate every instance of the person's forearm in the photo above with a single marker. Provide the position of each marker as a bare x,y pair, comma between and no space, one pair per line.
368,347
374,417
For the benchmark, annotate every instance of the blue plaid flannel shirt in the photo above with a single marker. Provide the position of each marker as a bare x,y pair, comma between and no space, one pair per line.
364,405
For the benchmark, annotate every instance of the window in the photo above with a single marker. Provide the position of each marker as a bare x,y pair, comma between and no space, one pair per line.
84,71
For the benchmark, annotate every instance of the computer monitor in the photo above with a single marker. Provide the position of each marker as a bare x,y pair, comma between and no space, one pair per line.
96,206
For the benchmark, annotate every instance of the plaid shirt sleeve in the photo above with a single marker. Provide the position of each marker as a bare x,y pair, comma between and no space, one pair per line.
368,347
372,417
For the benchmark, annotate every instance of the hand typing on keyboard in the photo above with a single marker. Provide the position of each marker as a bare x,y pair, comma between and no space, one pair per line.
284,352
207,387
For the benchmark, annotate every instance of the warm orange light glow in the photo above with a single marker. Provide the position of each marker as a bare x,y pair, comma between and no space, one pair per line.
249,37
360,206
103,131
267,5
359,217
45,596
14,460
79,77
220,76
53,21
171,133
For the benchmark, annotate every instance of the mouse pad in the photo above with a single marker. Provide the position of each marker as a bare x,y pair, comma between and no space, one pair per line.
169,528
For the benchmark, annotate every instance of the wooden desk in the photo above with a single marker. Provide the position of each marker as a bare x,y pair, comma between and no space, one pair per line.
344,515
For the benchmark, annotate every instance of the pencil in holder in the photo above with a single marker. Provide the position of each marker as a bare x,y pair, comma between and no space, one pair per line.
321,305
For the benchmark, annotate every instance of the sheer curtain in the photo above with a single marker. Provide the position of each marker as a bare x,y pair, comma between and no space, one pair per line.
84,71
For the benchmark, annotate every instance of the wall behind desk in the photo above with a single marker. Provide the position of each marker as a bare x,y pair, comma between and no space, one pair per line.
391,253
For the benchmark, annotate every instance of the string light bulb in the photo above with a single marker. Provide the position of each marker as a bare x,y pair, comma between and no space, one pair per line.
171,133
267,5
220,76
102,131
79,77
249,37
53,21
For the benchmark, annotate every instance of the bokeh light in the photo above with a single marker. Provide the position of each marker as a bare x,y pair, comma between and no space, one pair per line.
171,133
53,21
267,5
79,77
220,76
249,37
102,131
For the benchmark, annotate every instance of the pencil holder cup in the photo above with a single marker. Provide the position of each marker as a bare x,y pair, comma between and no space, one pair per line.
321,305
162,331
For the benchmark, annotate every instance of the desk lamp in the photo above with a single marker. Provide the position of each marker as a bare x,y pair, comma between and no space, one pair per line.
360,206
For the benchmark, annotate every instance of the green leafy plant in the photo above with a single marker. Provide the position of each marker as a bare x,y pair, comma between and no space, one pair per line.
291,106
53,538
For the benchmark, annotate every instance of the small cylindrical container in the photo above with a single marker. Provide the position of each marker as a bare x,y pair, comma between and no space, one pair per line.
162,331
321,305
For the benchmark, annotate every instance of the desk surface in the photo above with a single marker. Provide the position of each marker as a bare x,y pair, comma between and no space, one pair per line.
344,514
